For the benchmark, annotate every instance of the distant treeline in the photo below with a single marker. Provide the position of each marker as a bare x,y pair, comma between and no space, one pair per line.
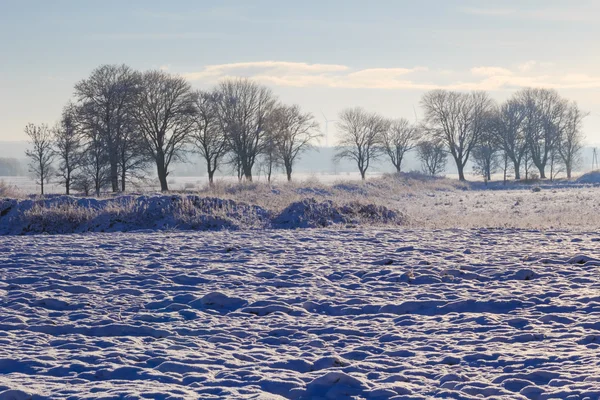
11,167
122,123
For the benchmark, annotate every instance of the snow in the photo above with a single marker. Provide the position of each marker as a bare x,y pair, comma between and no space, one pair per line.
66,214
373,313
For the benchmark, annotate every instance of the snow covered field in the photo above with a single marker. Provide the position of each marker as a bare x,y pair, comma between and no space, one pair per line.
372,313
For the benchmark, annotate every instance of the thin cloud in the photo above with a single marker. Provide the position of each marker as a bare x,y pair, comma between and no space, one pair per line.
490,71
491,78
574,13
488,11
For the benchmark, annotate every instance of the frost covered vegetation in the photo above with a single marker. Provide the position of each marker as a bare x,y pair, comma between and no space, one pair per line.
334,314
409,200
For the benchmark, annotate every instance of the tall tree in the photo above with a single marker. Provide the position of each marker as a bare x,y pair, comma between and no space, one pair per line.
486,156
545,115
68,146
293,132
41,153
243,109
270,156
110,95
456,119
133,160
570,142
510,132
94,172
359,138
399,139
165,116
207,133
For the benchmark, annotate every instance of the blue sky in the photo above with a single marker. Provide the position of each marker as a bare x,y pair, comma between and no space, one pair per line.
323,55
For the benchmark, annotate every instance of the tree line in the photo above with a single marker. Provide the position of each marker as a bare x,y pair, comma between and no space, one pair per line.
121,122
535,128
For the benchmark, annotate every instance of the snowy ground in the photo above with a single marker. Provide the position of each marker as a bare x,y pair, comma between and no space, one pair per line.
371,313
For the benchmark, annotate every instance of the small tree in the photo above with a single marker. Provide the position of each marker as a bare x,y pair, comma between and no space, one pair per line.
570,142
41,153
292,132
207,132
433,156
270,156
68,147
557,164
359,140
486,151
398,140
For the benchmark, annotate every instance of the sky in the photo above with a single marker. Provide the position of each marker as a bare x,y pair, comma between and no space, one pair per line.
324,55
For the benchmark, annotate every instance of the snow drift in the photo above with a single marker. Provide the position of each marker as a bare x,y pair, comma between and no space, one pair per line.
67,214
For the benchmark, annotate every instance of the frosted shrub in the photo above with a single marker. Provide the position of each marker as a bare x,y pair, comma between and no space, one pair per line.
56,218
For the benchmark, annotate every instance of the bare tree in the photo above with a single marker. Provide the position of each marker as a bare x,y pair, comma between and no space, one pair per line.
292,133
133,160
527,164
41,153
485,157
433,156
208,133
68,146
95,170
234,162
556,163
110,94
545,116
510,134
457,119
243,109
570,142
399,139
165,116
359,139
270,156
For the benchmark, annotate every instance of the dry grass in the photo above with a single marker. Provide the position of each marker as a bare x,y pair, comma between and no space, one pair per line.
415,201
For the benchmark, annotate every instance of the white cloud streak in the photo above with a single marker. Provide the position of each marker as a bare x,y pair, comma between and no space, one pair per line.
576,12
492,78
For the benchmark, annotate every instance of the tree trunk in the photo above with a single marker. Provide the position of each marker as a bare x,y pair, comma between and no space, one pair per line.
114,175
123,175
162,173
42,186
288,172
210,177
68,184
517,166
162,177
269,171
248,173
542,170
461,171
362,174
568,165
